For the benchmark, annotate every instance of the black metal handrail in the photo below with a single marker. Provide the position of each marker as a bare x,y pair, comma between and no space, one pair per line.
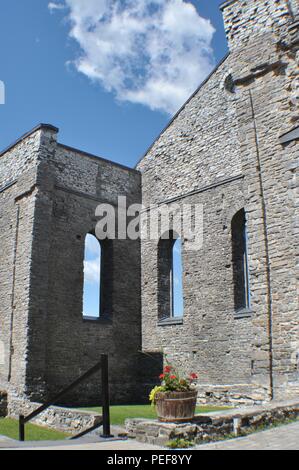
103,365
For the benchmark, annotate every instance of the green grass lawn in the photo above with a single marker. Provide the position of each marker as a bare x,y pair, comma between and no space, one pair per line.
10,428
120,413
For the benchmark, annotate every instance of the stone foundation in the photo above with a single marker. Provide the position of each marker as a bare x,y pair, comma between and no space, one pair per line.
61,419
213,426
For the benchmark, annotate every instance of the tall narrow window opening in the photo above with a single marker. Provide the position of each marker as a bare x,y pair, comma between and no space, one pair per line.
170,278
177,280
92,278
240,261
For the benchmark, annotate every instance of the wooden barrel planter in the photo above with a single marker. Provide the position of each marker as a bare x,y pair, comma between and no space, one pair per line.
178,407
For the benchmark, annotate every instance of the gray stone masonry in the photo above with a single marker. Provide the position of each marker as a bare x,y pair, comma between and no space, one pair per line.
213,426
48,197
223,151
66,420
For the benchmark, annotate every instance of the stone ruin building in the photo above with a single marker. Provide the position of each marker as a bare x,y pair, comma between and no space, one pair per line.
233,148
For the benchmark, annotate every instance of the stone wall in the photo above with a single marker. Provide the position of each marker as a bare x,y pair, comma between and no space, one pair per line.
268,107
245,19
72,185
18,169
47,213
213,426
66,420
222,150
200,153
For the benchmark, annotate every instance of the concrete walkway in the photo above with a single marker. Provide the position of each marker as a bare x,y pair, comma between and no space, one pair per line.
281,438
127,445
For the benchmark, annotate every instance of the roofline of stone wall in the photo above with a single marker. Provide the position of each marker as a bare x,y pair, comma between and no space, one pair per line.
184,105
222,6
96,157
23,137
72,149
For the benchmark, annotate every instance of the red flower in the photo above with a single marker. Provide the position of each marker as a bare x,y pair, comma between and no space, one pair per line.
173,377
167,369
193,376
162,377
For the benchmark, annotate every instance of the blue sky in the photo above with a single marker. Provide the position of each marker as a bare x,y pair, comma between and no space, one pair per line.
178,293
43,83
92,278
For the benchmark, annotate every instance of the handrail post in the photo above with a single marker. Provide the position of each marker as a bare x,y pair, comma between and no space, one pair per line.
21,428
105,397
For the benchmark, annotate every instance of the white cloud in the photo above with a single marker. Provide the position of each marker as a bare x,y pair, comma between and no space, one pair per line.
92,262
55,6
152,52
92,271
2,92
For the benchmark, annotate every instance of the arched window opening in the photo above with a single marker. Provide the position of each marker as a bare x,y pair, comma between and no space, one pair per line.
92,278
229,84
170,274
240,261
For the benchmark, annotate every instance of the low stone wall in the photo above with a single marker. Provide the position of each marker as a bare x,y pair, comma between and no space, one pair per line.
212,426
3,404
67,420
232,395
